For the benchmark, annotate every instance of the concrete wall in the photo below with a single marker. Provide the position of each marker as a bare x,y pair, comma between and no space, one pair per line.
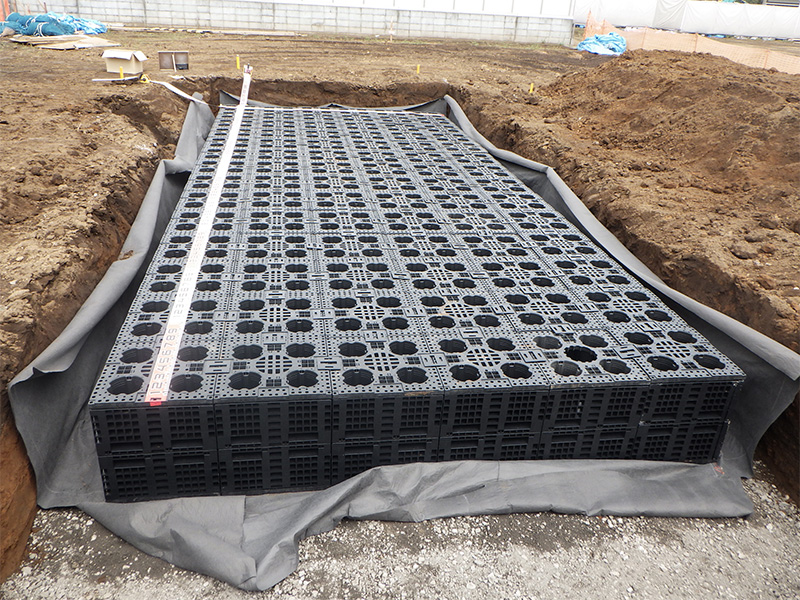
348,17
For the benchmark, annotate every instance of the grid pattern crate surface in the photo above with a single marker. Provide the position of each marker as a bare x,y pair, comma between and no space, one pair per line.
376,289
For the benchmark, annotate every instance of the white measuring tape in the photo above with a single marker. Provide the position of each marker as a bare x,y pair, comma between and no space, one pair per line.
158,387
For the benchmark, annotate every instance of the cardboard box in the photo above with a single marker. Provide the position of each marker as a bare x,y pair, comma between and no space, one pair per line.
131,61
177,60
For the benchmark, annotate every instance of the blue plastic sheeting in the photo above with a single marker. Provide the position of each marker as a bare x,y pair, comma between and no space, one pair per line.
52,24
611,44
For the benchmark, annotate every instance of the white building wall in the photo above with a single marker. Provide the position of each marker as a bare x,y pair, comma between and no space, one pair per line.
524,21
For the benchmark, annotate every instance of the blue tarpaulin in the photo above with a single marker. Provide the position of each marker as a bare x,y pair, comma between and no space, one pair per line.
612,44
52,24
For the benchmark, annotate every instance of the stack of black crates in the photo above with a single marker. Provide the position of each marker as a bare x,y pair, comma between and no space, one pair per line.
377,290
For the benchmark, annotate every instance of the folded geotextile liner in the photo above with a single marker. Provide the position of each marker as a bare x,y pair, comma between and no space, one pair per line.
251,541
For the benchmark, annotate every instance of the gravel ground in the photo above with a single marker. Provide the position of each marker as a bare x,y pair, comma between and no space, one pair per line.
539,556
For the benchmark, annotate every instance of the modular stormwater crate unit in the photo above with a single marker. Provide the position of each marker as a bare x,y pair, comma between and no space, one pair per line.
369,288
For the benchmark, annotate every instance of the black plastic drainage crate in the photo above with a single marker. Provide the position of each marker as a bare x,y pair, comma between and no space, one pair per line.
376,289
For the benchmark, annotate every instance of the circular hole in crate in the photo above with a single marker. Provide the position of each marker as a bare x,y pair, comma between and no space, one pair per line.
343,302
367,239
529,266
296,325
250,305
500,344
180,239
517,252
551,250
248,286
169,268
212,286
502,282
487,321
475,300
598,297
581,353
439,239
640,339
216,253
492,266
295,239
557,298
377,267
663,363
245,381
638,296
593,341
152,307
358,377
618,279
403,239
297,284
300,350
297,268
416,267
341,284
352,349
424,284
190,353
331,239
186,383
446,252
517,299
162,286
256,253
682,337
464,283
255,268
566,368
146,329
412,375
348,324
708,361
220,226
334,253
136,355
249,326
125,385
219,239
409,252
481,252
382,284
395,323
452,345
580,280
247,351
542,281
296,253
455,267
547,342
565,264
403,348
442,322
372,252
616,316
432,301
614,366
298,304
465,373
658,315
388,302
258,239
515,370
531,318
473,239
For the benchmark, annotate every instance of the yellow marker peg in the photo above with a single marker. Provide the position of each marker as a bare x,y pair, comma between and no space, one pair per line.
417,69
238,66
530,90
121,74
